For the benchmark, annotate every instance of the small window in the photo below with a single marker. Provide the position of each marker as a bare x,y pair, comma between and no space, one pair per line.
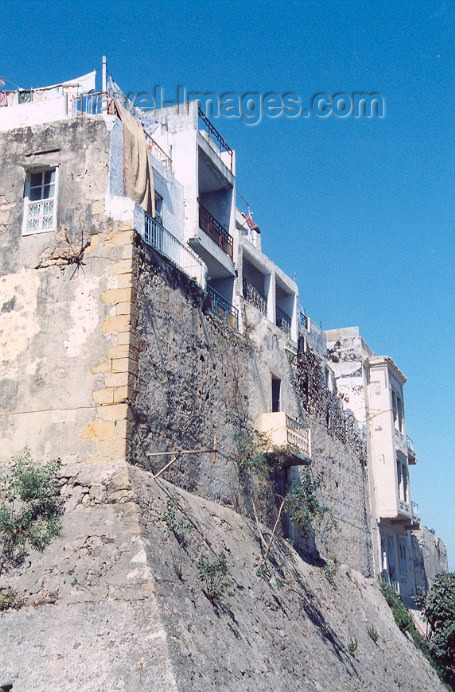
276,395
40,201
158,208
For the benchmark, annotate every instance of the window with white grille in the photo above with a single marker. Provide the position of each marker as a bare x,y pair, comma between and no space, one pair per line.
40,201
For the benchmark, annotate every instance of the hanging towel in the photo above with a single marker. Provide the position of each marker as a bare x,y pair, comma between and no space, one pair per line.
25,96
137,170
12,98
3,98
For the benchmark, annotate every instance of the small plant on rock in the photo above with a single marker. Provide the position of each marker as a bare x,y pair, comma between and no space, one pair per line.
176,525
213,575
352,646
331,567
10,599
373,634
30,508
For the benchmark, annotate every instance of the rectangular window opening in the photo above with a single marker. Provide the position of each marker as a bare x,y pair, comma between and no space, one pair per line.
276,394
40,201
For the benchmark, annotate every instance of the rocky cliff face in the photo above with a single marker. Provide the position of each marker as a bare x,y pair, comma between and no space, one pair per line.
117,603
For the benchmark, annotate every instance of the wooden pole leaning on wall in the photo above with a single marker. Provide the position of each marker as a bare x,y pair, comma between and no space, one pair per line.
178,453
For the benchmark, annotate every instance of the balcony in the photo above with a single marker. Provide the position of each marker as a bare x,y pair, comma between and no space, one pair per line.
283,321
284,430
411,453
222,308
179,254
216,141
404,507
254,296
215,230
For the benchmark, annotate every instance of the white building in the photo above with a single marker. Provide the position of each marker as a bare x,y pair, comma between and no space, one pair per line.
372,387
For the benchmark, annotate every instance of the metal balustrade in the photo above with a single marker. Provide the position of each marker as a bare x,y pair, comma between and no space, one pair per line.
222,307
254,296
215,230
215,137
91,104
158,153
283,320
170,247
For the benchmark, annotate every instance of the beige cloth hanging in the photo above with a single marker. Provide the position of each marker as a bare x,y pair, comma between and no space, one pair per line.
137,170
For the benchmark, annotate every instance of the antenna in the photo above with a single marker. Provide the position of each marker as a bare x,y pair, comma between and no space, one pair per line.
104,75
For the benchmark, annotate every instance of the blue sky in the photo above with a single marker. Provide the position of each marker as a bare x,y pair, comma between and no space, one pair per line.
362,211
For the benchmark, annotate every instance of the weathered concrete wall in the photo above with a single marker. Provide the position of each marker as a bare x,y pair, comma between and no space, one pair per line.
198,378
430,557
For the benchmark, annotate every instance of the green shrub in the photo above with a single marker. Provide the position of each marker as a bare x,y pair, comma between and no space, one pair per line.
439,610
169,516
303,504
30,507
213,576
372,633
331,567
406,624
10,599
352,646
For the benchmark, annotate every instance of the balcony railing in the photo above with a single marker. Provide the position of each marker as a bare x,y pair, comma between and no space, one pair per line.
220,144
303,320
179,254
215,230
158,153
223,308
254,296
415,510
91,104
283,320
298,435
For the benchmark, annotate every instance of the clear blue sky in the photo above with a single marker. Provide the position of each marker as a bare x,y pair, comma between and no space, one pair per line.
363,211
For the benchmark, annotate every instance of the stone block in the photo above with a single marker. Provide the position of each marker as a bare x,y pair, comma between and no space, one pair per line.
102,366
117,379
116,323
113,412
120,394
103,396
99,430
117,295
121,267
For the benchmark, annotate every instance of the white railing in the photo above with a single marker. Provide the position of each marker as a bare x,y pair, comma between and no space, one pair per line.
91,104
298,435
179,254
415,510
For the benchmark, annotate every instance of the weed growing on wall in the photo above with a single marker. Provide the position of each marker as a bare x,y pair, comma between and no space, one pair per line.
303,504
352,646
10,599
171,519
372,633
30,508
213,575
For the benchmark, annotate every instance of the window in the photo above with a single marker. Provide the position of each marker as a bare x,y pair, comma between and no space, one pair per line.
158,208
397,407
40,205
276,394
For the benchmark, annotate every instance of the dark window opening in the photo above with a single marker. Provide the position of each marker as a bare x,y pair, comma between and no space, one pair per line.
276,395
